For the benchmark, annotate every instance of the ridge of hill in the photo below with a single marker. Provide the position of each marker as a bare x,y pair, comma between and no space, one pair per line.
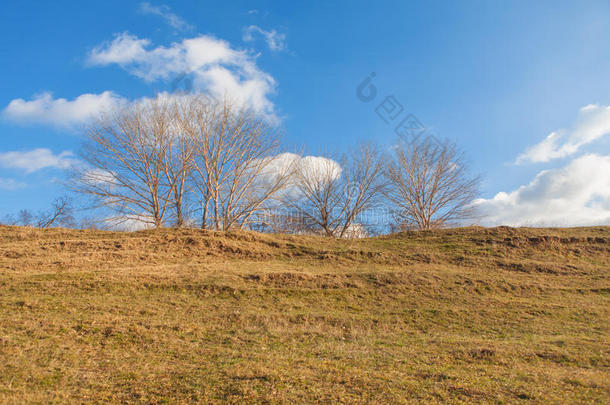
458,315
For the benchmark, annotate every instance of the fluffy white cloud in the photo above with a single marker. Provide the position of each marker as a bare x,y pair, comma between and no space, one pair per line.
575,195
36,159
214,66
278,165
319,168
165,12
44,109
275,41
10,184
316,168
593,123
210,64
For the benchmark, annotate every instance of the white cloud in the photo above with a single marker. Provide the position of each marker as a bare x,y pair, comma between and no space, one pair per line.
593,123
124,48
10,184
165,12
99,176
319,168
211,65
316,169
44,109
275,41
129,223
278,165
36,159
215,67
577,194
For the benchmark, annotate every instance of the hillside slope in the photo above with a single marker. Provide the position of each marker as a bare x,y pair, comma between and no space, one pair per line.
464,315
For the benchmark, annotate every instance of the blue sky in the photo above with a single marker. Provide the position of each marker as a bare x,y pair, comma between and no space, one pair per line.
497,77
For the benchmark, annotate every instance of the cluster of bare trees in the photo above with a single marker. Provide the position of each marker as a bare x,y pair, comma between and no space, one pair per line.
61,213
158,160
192,161
329,194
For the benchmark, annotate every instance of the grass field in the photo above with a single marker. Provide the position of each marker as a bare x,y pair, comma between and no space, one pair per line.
467,315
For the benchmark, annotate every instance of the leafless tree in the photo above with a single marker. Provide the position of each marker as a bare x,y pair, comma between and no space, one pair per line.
149,160
9,219
178,156
235,166
127,158
430,184
277,219
25,218
61,213
330,194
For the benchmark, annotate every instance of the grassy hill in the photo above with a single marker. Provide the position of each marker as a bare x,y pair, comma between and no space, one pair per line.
465,315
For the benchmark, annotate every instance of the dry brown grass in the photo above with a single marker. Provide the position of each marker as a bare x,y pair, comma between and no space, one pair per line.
468,315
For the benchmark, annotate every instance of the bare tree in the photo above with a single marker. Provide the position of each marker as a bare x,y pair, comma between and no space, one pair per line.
235,170
430,184
61,213
25,218
278,219
9,219
126,161
330,194
178,159
146,161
